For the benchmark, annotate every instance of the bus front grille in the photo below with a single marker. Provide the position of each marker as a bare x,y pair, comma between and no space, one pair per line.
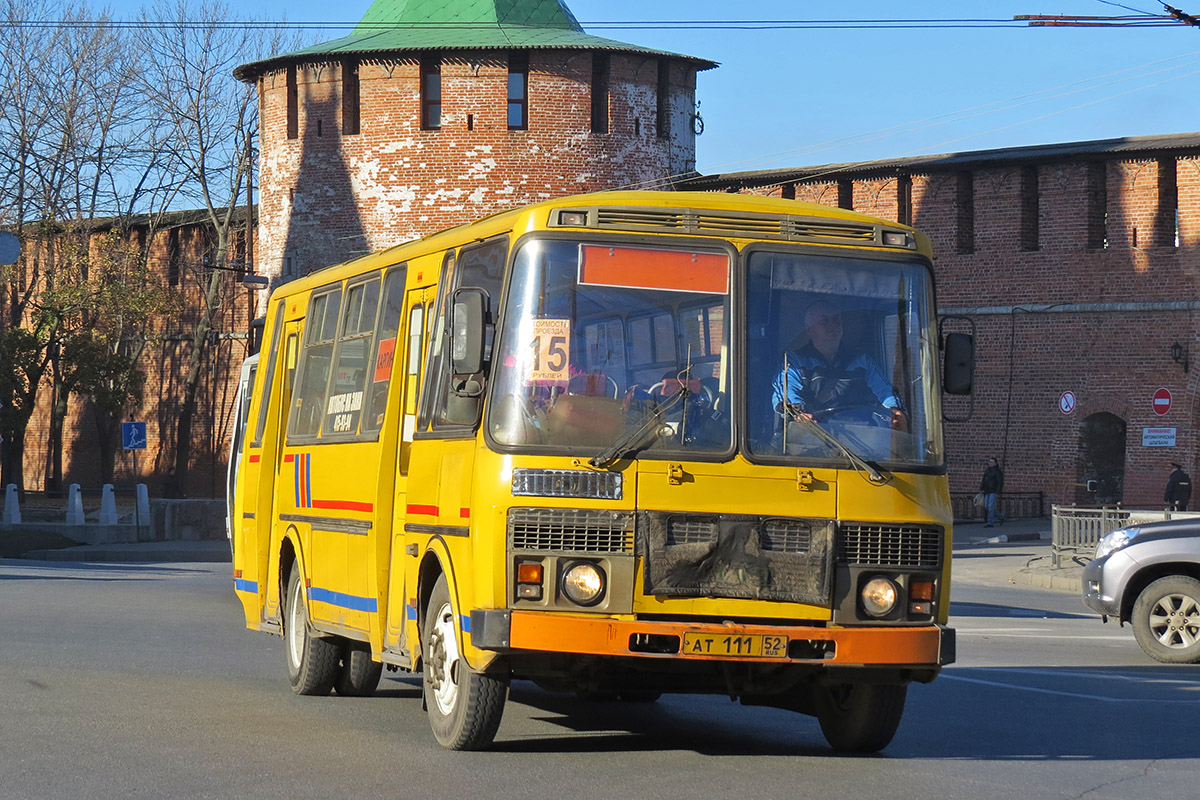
570,530
877,545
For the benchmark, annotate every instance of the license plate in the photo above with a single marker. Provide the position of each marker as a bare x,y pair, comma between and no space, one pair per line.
720,644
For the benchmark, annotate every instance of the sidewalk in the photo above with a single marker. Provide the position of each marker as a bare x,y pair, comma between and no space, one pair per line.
1017,552
208,551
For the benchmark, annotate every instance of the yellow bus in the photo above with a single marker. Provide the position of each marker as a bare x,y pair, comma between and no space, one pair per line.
603,444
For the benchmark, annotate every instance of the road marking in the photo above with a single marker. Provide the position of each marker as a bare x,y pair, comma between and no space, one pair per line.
946,675
1054,636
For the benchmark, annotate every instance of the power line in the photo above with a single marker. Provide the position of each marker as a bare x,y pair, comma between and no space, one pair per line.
728,24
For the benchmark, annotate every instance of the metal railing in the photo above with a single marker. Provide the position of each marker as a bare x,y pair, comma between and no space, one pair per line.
1012,505
1075,531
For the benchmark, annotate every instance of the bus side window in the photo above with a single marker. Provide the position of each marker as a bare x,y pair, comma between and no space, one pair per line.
386,347
268,377
352,359
412,382
437,379
320,331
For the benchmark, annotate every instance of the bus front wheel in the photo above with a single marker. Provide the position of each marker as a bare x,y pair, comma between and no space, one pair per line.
312,662
464,706
859,717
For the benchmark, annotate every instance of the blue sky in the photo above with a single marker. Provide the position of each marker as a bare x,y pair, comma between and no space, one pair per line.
797,97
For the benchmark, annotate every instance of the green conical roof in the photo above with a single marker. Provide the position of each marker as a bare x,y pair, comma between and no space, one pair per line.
391,26
527,13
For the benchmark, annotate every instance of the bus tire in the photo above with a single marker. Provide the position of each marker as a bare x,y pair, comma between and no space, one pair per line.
359,675
312,661
464,706
859,717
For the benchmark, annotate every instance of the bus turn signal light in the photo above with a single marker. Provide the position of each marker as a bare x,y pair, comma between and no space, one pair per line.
529,573
921,590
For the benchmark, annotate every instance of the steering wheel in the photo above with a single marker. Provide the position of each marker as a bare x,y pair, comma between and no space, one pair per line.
881,412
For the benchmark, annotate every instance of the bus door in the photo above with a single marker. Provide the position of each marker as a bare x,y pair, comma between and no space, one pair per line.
283,474
408,355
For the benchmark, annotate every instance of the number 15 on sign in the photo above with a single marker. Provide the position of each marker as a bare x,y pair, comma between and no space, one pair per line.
551,350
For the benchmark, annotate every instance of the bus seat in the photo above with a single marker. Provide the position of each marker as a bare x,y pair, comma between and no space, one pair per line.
580,419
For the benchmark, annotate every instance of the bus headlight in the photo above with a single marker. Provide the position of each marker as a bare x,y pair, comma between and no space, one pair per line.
879,596
583,583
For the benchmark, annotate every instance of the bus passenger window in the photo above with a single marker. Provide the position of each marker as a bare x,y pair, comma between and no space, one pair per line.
309,401
386,347
344,405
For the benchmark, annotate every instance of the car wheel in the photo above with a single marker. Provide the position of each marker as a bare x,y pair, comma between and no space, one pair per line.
859,717
1166,620
359,675
464,706
312,661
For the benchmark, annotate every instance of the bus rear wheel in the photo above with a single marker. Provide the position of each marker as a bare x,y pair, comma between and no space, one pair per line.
359,675
859,717
464,706
312,662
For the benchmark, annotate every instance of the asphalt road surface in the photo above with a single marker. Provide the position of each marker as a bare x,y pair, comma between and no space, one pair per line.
141,681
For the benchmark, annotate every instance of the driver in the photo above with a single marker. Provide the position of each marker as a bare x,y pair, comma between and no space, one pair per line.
823,376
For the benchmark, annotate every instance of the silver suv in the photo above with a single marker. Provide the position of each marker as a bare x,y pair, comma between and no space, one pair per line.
1149,575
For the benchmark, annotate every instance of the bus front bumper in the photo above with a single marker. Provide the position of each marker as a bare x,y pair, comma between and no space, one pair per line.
917,646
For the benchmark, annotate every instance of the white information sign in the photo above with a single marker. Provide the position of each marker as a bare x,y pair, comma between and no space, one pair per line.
551,350
1158,437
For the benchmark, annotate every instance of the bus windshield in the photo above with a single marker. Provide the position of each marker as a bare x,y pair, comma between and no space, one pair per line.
630,347
605,341
847,344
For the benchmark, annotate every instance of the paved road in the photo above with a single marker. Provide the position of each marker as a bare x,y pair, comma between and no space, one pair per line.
140,681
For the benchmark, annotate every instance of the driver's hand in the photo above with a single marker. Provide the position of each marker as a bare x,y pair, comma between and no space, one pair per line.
802,416
899,421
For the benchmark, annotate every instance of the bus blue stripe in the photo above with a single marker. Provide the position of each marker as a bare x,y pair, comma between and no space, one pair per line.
352,602
308,480
242,585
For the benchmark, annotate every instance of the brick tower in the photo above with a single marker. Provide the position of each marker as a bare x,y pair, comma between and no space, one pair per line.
437,112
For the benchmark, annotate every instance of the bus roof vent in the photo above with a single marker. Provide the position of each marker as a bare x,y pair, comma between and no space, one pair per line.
780,227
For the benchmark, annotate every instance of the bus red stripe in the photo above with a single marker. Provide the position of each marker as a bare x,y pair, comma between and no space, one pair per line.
429,510
343,505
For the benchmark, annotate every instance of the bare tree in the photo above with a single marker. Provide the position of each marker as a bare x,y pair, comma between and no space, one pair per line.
189,52
62,132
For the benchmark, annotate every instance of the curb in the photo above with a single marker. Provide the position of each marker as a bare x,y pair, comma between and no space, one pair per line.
1015,537
1062,580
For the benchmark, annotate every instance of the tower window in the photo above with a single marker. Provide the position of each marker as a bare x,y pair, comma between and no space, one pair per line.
662,119
431,93
350,98
518,91
293,104
599,93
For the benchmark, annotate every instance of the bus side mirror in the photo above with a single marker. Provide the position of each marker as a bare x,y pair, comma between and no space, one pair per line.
958,364
468,331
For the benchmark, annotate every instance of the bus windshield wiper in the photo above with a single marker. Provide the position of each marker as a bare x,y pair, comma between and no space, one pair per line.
632,441
875,473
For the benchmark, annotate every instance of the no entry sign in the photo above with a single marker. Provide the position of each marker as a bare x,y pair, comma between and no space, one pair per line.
1162,401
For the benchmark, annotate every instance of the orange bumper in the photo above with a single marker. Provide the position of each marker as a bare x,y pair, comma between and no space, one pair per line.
929,645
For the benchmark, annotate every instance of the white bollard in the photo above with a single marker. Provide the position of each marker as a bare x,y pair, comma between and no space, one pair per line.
108,506
74,505
142,511
12,507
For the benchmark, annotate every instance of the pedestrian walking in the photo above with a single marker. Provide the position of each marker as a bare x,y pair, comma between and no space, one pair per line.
1179,489
990,487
